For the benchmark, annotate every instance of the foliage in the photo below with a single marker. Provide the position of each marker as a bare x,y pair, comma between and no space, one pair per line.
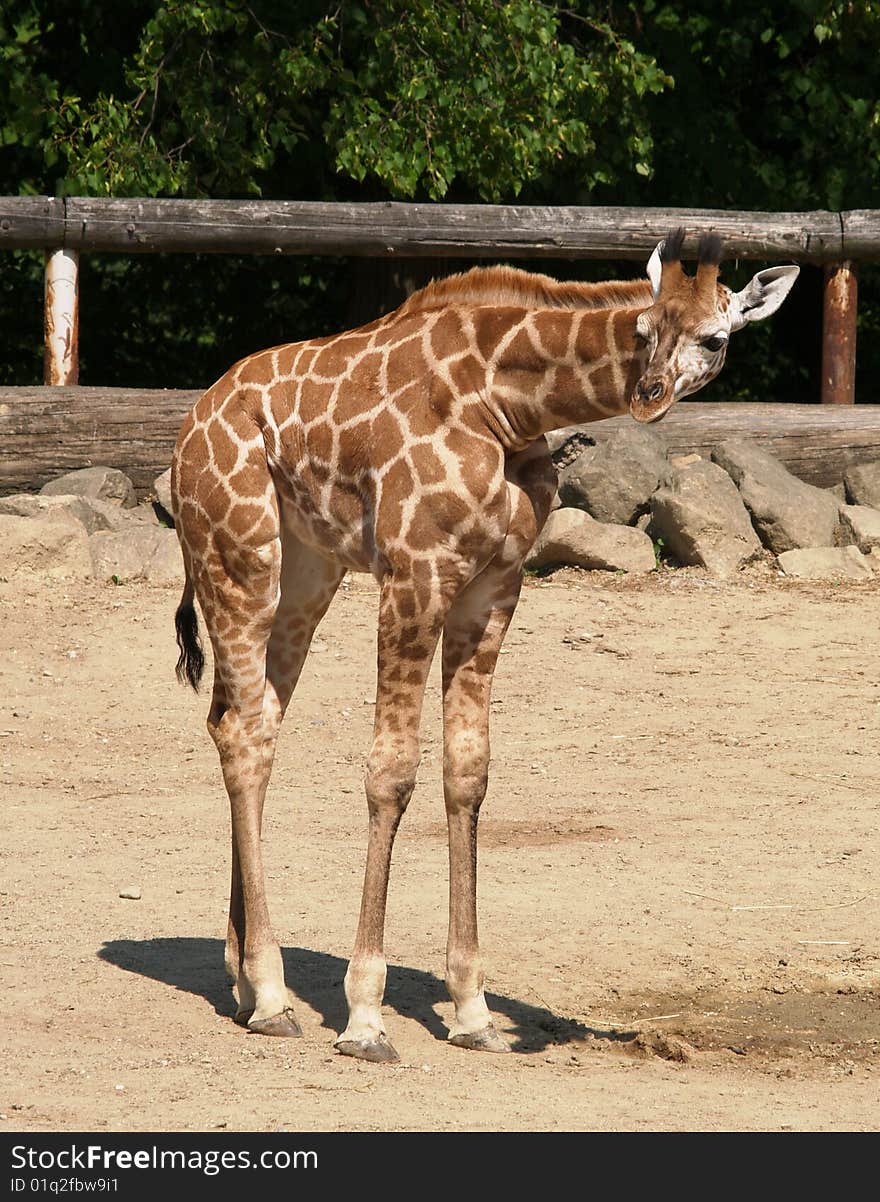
774,106
412,97
718,103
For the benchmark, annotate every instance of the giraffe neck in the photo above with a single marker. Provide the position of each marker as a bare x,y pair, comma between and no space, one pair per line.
560,368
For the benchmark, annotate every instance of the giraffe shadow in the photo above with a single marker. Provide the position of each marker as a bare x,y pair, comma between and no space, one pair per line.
195,965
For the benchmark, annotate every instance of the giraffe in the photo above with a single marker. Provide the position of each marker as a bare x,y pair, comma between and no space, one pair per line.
411,448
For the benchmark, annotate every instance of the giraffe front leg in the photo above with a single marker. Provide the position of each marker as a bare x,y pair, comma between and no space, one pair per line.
472,638
390,780
410,622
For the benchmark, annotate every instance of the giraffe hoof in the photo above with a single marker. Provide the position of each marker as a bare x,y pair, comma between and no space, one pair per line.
379,1051
283,1025
243,1017
487,1040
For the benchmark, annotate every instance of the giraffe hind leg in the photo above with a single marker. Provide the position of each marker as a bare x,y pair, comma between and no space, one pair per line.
472,638
307,585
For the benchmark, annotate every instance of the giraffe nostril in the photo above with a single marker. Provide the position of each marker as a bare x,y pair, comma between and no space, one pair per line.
656,392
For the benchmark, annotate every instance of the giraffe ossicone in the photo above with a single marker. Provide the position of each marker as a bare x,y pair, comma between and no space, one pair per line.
411,448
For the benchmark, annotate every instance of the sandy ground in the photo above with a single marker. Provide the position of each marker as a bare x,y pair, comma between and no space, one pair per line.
678,877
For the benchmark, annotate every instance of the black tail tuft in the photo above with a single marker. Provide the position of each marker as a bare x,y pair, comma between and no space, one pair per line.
191,663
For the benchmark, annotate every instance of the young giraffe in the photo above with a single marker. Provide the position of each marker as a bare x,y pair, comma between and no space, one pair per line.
411,448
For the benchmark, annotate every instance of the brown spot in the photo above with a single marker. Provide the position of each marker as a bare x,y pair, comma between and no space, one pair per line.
224,450
428,465
257,369
553,330
603,382
468,375
314,399
211,400
405,365
520,353
397,484
354,443
422,417
435,516
398,331
447,336
242,517
319,441
213,497
386,438
568,383
491,325
331,361
251,481
363,376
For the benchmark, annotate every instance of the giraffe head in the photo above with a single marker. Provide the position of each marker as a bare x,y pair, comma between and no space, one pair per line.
686,331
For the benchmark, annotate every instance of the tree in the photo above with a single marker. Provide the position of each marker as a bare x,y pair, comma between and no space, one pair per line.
720,103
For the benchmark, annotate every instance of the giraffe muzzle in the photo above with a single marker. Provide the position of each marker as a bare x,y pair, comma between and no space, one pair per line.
650,400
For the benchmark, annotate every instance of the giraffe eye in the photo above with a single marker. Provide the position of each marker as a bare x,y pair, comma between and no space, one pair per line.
715,343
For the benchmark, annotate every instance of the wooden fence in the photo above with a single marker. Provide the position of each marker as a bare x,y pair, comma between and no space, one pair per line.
66,227
47,430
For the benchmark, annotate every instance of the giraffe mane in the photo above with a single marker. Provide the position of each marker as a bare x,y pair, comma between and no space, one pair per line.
512,286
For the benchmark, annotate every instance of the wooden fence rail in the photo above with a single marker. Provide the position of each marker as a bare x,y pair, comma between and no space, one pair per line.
47,431
73,225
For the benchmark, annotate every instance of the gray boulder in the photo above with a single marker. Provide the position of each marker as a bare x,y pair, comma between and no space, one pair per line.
862,484
860,524
572,538
613,480
702,520
786,512
826,563
32,505
104,483
142,552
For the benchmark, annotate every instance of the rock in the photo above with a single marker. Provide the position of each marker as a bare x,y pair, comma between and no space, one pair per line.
105,483
860,524
862,484
702,520
117,518
786,512
54,543
132,893
166,564
614,479
162,488
571,537
838,491
873,558
826,563
85,510
142,552
684,460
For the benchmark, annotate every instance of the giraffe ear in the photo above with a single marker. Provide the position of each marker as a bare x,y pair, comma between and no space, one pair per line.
655,268
762,295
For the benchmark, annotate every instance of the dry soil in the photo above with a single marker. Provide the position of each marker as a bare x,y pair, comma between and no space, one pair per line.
678,873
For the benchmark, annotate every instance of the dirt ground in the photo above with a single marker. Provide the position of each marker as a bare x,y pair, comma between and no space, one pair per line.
678,875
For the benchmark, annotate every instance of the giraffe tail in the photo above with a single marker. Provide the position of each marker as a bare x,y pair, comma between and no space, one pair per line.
191,662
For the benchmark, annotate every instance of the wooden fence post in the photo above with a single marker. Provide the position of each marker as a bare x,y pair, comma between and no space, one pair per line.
839,310
61,318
